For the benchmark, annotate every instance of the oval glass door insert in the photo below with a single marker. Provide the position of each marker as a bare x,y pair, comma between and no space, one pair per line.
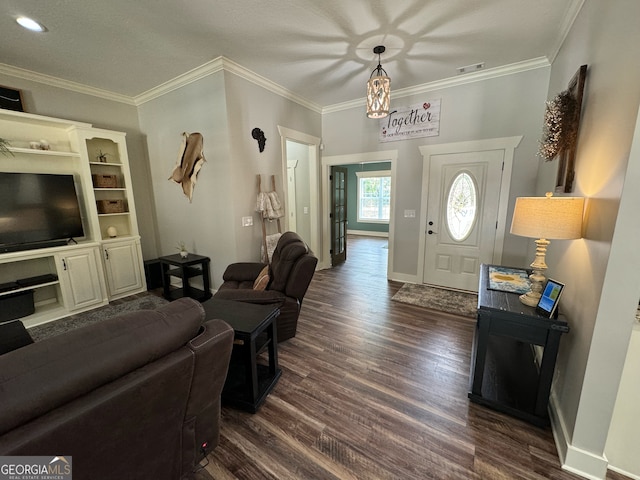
462,206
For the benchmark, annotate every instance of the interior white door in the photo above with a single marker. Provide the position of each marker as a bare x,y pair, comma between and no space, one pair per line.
462,212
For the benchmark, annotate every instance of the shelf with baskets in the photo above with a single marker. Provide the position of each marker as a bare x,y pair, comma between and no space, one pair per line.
108,164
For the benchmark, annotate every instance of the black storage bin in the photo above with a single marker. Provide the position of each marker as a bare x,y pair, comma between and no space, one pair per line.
16,305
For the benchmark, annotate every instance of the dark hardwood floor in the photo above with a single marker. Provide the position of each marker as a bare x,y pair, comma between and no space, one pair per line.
375,389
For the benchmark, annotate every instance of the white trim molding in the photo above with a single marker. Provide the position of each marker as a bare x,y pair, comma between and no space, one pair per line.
219,64
535,63
66,84
367,233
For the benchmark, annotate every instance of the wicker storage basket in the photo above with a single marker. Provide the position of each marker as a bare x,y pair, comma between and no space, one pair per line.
105,181
110,206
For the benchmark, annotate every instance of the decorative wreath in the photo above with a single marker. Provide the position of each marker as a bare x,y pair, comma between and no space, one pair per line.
559,126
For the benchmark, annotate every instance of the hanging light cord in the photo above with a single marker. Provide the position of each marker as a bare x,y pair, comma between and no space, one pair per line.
378,70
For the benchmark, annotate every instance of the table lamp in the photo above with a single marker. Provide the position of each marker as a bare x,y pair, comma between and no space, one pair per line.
545,218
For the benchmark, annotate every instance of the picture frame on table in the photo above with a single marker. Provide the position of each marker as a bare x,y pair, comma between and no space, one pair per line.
567,157
11,99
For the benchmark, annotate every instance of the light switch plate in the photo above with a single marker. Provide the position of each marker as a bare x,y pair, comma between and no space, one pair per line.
247,221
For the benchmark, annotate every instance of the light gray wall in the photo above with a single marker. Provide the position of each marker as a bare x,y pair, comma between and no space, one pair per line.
224,108
602,271
499,107
206,224
252,106
43,99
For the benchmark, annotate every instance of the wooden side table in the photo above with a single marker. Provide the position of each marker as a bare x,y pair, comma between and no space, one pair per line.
185,268
504,374
251,377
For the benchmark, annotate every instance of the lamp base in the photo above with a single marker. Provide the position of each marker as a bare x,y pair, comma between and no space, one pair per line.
530,298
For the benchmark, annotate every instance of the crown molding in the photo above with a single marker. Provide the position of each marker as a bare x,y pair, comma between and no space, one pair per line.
573,10
224,64
66,84
214,66
240,71
482,75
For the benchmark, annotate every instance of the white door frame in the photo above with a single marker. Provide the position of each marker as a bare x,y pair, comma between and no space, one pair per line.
291,195
314,153
367,157
508,144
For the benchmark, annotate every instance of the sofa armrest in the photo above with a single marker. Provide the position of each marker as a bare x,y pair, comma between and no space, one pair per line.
242,271
211,351
247,295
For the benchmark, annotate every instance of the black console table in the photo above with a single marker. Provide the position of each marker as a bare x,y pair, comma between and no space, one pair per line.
504,373
185,268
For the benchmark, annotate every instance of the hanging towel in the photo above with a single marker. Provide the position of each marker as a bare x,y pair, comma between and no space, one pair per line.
269,206
272,242
190,160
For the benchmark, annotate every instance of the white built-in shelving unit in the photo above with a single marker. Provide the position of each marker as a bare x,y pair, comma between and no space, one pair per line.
99,267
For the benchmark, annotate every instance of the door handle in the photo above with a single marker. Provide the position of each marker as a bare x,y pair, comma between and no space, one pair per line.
431,232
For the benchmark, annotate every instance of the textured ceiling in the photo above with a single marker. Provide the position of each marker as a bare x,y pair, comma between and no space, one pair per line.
321,50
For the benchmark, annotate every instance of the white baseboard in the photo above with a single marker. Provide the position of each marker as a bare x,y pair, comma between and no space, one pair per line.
367,233
574,459
626,474
402,277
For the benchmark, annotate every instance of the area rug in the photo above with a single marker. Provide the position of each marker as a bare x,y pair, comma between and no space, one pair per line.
450,301
145,301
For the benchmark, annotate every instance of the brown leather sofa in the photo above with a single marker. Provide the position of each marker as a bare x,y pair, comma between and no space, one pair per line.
290,272
135,396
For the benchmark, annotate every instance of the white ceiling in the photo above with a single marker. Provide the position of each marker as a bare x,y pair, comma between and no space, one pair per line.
321,50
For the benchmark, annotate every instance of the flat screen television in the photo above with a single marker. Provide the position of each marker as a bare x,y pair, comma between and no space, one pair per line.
38,210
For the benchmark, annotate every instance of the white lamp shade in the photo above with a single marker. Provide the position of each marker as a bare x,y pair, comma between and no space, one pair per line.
552,218
378,96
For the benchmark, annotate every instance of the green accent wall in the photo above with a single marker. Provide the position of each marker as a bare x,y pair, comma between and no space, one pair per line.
352,196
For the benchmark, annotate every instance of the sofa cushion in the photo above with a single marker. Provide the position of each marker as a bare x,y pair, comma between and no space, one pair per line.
44,375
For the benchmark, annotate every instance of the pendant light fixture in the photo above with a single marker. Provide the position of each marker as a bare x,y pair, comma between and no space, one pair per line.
378,90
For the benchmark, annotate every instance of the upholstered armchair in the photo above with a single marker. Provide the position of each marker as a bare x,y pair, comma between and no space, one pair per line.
284,282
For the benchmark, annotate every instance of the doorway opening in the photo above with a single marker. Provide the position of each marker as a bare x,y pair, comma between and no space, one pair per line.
300,153
327,163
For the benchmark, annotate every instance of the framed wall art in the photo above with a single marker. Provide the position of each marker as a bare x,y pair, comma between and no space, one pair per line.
11,99
570,128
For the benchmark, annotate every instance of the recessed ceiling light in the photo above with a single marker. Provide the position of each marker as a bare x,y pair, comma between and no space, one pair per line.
31,24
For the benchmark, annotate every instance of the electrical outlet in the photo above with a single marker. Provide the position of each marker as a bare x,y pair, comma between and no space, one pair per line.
247,221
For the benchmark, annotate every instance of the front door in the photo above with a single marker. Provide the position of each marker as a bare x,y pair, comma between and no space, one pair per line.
338,215
463,195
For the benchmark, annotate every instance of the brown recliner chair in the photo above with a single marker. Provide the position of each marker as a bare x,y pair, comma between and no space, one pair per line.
290,272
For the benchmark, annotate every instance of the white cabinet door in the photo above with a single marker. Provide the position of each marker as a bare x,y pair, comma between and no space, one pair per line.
122,265
80,278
